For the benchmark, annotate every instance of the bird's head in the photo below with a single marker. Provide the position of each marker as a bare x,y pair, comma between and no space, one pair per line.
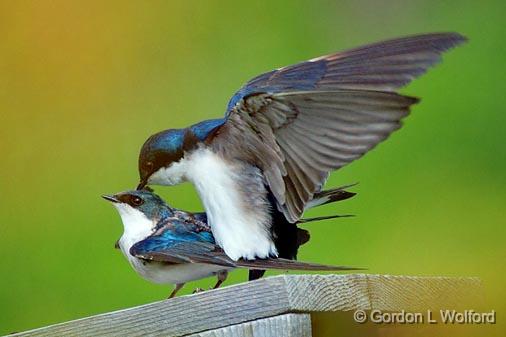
161,156
140,210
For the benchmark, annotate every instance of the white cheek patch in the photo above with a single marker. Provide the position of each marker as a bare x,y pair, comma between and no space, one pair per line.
136,224
171,175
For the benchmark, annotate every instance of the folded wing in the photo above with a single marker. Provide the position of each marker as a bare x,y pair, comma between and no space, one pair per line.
181,239
161,249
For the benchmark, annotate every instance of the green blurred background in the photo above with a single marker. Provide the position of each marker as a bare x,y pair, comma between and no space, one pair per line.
82,84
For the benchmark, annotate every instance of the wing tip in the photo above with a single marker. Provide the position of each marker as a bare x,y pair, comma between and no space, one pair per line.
135,251
449,40
444,40
454,37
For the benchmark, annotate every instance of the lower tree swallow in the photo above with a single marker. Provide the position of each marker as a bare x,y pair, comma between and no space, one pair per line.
284,132
169,246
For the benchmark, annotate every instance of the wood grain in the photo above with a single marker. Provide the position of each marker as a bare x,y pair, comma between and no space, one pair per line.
287,325
271,297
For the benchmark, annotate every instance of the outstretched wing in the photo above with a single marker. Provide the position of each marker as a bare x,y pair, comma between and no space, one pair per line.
300,122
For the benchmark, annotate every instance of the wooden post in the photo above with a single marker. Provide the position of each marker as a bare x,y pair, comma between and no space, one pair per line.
283,306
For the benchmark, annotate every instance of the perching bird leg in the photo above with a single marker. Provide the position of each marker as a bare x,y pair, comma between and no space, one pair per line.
176,289
222,276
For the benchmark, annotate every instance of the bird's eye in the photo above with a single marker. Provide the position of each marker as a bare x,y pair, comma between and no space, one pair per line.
149,165
137,201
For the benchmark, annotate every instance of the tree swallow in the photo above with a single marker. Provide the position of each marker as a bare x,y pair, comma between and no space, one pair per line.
166,245
284,132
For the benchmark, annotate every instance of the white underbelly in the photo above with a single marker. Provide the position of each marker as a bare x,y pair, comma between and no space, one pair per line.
164,273
174,273
241,226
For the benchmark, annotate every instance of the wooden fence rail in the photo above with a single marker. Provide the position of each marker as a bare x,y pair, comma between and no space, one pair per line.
282,306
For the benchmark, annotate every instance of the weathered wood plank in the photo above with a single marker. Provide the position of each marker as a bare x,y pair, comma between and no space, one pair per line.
288,325
270,297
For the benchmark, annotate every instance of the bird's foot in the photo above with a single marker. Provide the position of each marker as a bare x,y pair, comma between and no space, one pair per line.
198,290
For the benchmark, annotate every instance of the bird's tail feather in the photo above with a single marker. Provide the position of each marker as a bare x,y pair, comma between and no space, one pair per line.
255,274
285,264
329,196
326,217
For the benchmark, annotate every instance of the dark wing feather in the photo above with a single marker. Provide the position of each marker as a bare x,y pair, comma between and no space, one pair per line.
323,131
182,252
178,245
180,240
384,66
284,264
200,252
300,122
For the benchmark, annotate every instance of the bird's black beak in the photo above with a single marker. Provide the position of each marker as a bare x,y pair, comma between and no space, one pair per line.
111,198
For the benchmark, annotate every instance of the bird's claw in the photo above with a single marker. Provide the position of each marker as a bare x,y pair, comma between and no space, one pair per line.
198,290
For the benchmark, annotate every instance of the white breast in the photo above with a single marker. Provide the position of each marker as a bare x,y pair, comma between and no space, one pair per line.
136,228
238,229
135,224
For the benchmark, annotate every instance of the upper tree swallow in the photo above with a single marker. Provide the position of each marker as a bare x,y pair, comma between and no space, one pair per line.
284,132
166,245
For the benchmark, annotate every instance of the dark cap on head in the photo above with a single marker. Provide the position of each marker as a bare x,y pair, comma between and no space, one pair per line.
149,203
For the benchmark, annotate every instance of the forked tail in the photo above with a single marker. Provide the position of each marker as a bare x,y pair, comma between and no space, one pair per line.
327,197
